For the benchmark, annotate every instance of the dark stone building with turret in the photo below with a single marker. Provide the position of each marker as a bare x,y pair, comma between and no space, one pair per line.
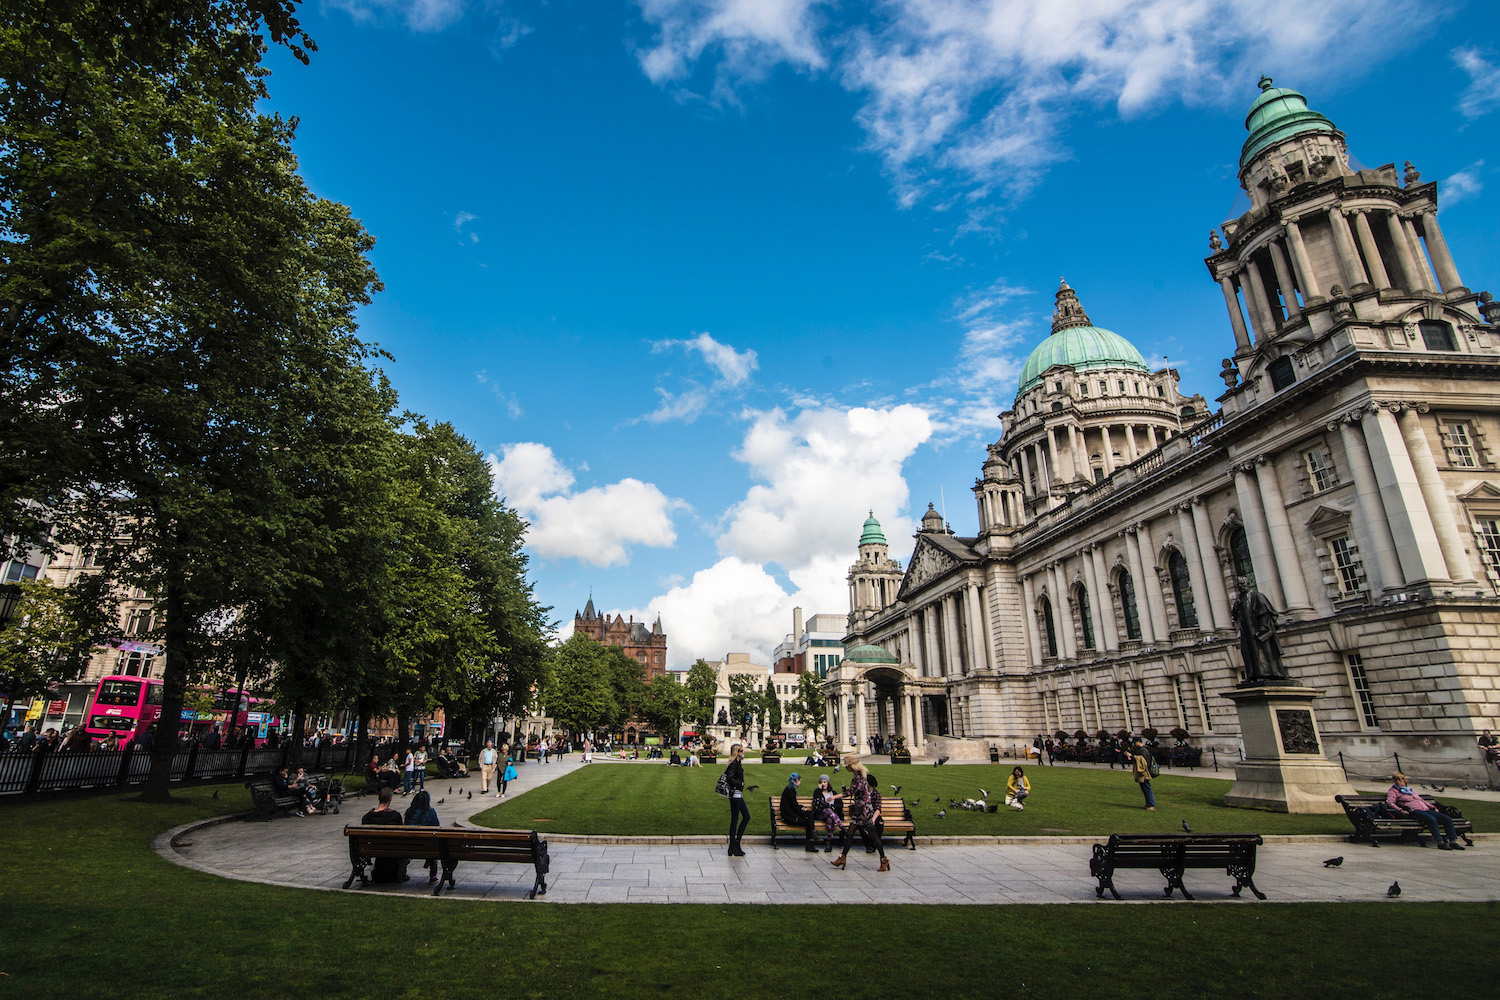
647,645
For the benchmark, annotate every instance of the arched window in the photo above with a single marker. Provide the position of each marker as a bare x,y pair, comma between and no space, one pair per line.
1051,629
1127,605
1182,590
1086,618
1239,551
1282,373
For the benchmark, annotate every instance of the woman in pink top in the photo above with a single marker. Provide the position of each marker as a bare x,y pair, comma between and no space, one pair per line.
1402,799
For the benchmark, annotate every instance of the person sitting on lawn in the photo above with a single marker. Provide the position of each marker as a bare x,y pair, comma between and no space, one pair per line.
1016,789
1402,799
792,813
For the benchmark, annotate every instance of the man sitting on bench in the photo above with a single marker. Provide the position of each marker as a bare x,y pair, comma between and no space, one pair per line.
386,869
792,813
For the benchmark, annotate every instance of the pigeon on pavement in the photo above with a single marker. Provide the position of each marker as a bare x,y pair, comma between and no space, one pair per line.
471,795
441,801
1394,890
1334,862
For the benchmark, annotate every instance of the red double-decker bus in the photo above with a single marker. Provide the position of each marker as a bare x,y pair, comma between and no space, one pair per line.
124,706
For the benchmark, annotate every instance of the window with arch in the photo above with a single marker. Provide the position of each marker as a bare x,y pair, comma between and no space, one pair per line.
1239,554
1182,590
1049,628
1281,372
1086,617
1128,606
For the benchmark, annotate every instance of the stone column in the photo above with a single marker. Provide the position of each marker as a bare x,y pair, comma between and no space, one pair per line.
1153,581
1416,248
1288,561
1411,523
1307,277
861,741
917,725
978,656
1261,317
1353,270
1411,276
1194,561
1236,317
1434,493
1437,247
1062,615
1107,450
1103,598
1026,471
1284,278
931,651
1217,593
1151,442
1078,453
1028,620
1095,608
1052,465
1373,531
1130,453
1138,577
1371,249
1258,536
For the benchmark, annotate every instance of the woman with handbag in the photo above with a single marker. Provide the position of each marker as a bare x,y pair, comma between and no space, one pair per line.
506,777
739,813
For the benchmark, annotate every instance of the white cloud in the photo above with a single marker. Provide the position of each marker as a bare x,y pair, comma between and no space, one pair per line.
419,15
818,474
596,525
749,36
1482,95
1463,185
975,96
732,369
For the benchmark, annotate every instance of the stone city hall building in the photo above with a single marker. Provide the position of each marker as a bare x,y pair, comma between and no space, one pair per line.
1349,474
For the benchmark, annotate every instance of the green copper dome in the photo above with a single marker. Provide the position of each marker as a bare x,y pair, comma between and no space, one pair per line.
1279,113
868,654
1084,348
872,534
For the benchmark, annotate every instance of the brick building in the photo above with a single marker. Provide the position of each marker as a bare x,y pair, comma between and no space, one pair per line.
647,645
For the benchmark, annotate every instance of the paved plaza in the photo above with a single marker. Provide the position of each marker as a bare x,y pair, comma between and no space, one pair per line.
312,853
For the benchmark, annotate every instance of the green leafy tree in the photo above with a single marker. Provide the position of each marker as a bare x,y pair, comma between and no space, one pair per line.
580,697
808,707
773,705
170,287
627,683
52,634
745,702
666,701
700,688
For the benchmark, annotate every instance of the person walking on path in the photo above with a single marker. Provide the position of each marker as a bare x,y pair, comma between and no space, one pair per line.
410,768
739,813
487,758
421,767
506,777
1140,769
859,810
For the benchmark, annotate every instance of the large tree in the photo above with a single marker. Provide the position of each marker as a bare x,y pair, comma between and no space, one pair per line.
745,702
580,697
700,688
52,634
169,287
666,701
809,707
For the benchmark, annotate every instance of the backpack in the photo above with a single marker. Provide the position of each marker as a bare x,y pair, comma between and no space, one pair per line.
1151,768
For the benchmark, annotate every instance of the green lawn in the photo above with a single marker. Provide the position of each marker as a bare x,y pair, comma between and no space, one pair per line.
90,911
640,799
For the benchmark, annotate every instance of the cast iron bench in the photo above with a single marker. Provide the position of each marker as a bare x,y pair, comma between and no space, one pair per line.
268,803
895,820
448,846
1172,854
1367,813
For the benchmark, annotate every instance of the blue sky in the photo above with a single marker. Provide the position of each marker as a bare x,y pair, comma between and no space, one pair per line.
709,279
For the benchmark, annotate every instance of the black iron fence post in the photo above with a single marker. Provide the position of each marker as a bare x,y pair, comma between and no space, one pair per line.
244,759
123,777
34,779
1215,752
1342,767
1398,761
187,775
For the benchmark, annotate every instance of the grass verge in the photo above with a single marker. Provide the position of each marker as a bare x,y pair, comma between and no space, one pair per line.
639,799
89,911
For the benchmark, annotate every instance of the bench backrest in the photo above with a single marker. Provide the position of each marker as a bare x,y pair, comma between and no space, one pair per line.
431,841
891,810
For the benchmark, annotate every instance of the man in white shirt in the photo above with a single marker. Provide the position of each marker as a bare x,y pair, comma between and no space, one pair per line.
487,758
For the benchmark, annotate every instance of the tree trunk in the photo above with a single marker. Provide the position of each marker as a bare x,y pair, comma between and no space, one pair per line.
298,708
178,669
361,736
403,728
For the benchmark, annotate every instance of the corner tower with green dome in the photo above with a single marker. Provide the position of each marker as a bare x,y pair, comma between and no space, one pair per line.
1088,404
875,578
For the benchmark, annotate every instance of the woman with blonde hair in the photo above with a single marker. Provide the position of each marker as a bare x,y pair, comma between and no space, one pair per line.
861,814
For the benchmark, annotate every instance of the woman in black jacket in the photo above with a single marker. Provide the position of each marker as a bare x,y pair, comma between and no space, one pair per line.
739,813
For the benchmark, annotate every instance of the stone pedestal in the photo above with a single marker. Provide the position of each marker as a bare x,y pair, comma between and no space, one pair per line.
1284,769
